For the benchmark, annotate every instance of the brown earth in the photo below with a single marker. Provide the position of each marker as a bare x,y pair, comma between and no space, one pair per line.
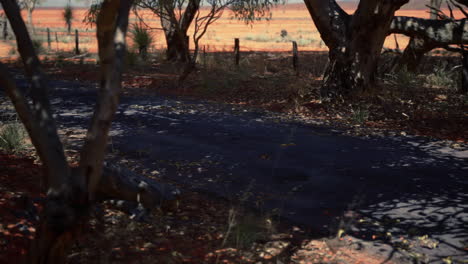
192,233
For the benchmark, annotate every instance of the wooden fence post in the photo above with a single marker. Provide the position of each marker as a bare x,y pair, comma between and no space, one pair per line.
77,43
48,38
5,29
204,56
295,59
56,41
237,51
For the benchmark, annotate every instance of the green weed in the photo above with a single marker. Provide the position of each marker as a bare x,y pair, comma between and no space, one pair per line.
360,115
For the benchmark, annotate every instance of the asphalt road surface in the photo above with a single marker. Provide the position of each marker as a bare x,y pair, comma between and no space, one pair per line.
315,176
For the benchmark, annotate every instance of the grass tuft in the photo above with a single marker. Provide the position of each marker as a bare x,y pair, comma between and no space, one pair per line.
12,137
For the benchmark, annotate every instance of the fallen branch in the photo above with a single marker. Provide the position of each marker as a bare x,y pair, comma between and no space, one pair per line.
123,184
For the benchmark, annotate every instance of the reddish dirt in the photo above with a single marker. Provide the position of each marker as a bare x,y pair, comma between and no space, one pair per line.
192,233
19,178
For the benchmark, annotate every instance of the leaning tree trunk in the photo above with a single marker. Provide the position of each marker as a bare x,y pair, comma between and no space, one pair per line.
418,46
355,42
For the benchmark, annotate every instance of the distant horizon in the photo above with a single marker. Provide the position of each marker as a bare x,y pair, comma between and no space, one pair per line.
86,3
414,4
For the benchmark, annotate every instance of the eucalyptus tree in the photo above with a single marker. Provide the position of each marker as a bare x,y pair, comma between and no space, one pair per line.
354,41
440,31
29,6
71,191
68,16
417,46
445,32
177,16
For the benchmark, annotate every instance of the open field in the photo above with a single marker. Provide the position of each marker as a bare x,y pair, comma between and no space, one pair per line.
262,36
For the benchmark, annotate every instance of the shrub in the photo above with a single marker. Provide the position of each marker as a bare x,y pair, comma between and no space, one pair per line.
360,115
68,17
131,58
402,78
142,39
38,46
284,33
12,137
442,78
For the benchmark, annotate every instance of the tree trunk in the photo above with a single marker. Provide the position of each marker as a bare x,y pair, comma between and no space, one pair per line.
175,30
418,46
355,42
414,53
177,48
464,84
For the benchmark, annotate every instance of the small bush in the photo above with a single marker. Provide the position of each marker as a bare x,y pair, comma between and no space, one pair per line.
68,17
442,78
142,39
284,33
402,78
246,230
360,115
12,137
38,45
132,58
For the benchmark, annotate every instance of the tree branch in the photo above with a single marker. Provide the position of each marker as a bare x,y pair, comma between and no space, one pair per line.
330,20
438,32
37,118
112,26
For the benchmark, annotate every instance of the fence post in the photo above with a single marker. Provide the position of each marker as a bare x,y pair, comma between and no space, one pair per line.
56,41
77,43
48,38
237,51
204,56
295,56
5,29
